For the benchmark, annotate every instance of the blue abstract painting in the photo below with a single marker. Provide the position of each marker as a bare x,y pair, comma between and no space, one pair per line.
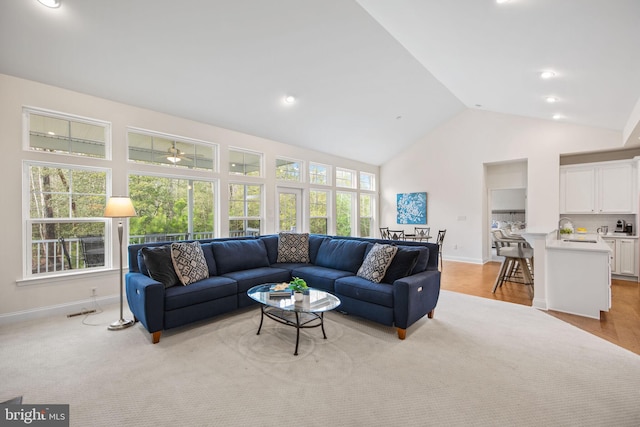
412,208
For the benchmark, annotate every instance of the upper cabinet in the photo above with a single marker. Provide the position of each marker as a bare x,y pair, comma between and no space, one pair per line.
598,188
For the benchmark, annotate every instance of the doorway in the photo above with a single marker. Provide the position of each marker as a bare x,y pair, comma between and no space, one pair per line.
289,209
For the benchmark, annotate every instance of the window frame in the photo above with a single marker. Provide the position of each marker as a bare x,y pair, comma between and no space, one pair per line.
353,174
301,170
245,218
245,151
328,169
29,222
26,131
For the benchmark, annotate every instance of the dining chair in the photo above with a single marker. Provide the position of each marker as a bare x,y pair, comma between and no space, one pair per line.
439,242
384,233
396,235
421,233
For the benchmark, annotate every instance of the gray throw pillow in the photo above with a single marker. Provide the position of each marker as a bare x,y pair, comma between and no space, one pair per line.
377,261
189,262
293,247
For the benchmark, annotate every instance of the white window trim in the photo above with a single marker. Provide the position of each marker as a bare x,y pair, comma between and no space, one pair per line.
355,177
27,221
26,114
244,150
301,175
329,174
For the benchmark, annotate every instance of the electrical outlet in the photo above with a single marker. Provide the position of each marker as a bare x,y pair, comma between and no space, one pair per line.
94,292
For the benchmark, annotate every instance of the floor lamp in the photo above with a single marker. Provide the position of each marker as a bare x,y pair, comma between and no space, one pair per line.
120,207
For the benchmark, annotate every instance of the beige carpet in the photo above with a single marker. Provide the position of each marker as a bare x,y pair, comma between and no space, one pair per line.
477,363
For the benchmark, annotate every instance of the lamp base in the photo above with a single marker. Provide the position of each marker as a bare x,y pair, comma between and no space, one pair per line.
120,324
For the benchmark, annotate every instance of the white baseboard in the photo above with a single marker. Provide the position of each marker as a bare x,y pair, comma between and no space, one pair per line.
56,310
463,259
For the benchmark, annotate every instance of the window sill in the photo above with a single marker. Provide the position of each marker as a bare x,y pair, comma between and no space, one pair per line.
64,277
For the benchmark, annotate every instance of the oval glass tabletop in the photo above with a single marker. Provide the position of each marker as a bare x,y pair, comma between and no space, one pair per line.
314,301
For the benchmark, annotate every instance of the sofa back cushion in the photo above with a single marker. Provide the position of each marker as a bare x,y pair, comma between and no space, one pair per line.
340,254
236,255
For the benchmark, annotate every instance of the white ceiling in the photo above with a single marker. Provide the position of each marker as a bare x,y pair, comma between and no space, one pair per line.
366,88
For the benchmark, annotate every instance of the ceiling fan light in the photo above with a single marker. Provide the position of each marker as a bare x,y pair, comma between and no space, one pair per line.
173,159
547,74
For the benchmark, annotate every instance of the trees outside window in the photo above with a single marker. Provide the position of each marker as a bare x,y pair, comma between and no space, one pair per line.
366,215
171,208
318,211
245,209
344,213
65,204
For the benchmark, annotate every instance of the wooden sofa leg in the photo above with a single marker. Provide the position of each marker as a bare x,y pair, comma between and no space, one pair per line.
156,337
402,333
430,314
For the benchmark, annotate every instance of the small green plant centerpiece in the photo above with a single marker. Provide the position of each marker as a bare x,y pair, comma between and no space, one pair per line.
298,286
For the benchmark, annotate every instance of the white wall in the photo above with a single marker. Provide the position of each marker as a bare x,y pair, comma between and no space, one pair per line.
24,299
449,164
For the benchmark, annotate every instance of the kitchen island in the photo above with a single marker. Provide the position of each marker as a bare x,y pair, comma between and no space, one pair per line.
579,275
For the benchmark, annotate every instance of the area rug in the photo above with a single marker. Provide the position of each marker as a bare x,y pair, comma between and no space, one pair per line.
478,362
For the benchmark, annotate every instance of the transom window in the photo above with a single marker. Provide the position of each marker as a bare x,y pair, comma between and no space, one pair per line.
367,181
159,149
345,178
65,223
288,170
65,134
319,174
245,163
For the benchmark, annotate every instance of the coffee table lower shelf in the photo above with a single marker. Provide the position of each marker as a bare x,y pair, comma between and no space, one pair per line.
299,320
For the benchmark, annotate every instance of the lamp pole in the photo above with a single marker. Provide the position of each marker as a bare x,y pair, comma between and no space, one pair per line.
120,207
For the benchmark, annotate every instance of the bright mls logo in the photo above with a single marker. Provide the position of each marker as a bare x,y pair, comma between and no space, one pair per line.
35,415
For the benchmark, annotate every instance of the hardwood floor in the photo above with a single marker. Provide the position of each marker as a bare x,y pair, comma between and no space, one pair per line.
621,325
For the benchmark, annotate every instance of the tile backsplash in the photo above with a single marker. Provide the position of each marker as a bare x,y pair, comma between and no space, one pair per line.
593,222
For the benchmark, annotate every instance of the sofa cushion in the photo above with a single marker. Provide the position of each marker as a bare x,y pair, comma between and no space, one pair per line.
209,289
247,279
315,241
319,277
142,267
346,255
159,264
293,247
376,262
402,265
422,260
189,262
236,255
365,290
208,255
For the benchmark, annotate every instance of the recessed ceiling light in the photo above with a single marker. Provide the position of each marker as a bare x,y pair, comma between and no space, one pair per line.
557,116
50,3
501,1
551,99
547,74
289,99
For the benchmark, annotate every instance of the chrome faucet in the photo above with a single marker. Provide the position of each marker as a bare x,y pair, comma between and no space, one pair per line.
560,224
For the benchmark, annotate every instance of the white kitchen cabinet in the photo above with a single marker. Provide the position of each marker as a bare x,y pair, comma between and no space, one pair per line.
598,188
626,256
623,255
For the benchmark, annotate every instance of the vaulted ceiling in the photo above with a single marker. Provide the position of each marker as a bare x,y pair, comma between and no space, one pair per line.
370,77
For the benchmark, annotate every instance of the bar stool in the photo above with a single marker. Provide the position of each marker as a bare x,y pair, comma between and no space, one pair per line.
517,266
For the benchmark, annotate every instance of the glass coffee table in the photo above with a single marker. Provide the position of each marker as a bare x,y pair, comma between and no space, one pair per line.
308,313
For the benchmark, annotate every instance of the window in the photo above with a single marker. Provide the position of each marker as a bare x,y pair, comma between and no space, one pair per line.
318,211
345,178
159,149
171,208
66,207
366,215
245,163
344,213
288,170
66,134
367,181
319,174
245,209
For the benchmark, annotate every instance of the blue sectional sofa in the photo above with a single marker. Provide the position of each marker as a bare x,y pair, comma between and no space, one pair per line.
408,291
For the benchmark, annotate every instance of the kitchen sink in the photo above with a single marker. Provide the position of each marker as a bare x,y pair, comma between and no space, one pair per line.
580,240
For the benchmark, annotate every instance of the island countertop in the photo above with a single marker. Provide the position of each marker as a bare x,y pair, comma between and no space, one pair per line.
579,242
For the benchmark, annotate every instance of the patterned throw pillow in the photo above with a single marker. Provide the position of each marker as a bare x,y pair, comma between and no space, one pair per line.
293,247
189,262
377,261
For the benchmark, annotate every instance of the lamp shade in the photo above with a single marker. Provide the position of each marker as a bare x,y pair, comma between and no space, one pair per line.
119,207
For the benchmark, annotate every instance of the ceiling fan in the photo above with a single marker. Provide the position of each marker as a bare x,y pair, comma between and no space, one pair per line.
174,155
